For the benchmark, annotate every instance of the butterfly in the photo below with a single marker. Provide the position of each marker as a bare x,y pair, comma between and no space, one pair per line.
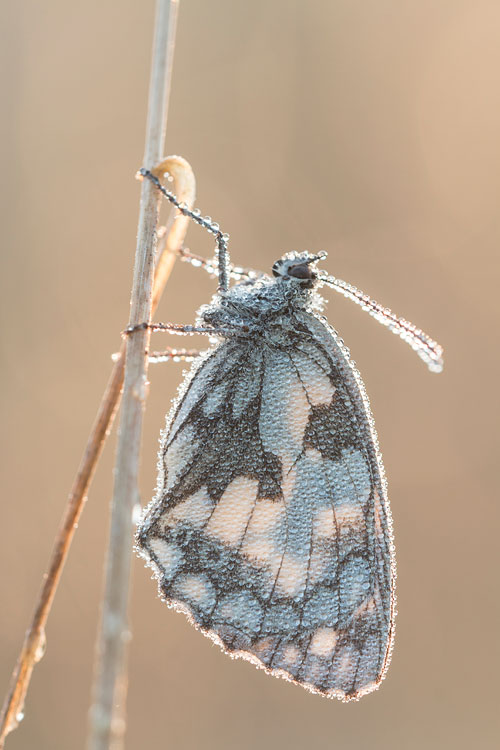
271,528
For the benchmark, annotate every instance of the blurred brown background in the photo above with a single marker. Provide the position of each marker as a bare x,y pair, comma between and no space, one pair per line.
366,128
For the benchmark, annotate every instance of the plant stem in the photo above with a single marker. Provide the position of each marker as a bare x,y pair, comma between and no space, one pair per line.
106,728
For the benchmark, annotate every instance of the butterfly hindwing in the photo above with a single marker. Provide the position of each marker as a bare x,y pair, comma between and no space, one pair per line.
271,528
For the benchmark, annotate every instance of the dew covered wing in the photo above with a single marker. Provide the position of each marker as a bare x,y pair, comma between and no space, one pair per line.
271,528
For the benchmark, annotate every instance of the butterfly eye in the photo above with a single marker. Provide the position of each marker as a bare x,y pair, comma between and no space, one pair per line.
302,271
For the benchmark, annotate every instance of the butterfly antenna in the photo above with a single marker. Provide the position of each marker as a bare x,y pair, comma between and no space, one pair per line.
425,347
205,222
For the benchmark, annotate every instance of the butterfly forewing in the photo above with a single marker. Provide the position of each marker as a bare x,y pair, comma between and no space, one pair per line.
271,528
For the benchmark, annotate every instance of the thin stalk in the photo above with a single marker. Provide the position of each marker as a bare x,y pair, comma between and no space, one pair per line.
106,727
169,244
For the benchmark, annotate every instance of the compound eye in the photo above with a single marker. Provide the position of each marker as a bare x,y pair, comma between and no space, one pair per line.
302,271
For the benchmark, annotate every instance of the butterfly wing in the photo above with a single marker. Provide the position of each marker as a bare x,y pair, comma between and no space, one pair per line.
271,528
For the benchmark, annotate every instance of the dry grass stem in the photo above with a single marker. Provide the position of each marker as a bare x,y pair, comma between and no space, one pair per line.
106,727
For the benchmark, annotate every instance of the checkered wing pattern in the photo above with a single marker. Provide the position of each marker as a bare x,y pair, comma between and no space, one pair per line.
271,528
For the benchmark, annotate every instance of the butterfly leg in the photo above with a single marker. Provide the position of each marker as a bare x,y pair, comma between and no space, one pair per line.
189,330
222,252
210,266
173,355
176,328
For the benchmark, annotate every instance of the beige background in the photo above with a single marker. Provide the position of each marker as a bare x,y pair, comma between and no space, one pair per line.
368,128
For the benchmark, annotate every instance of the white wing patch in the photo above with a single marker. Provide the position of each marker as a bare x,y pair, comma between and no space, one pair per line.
323,642
168,557
230,516
317,385
195,510
283,427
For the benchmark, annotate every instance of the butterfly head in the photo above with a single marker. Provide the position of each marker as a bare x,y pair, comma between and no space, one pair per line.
299,268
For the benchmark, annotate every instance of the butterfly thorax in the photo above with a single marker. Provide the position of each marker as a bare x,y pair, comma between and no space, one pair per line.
255,308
